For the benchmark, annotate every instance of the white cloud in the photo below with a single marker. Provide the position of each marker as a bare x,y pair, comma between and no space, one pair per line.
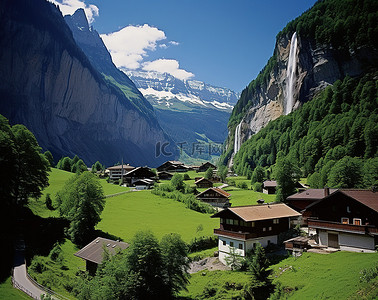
169,66
163,46
68,7
129,45
174,43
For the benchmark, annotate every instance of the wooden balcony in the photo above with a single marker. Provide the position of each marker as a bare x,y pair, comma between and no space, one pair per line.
359,229
235,234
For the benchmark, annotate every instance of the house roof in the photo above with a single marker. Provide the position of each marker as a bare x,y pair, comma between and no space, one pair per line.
202,179
270,183
207,164
95,249
145,170
126,167
261,212
217,190
144,181
310,194
164,173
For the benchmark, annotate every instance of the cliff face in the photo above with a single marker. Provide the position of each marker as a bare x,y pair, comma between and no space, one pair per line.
47,84
316,68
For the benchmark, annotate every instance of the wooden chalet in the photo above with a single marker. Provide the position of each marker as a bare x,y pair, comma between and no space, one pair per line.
137,174
172,166
203,183
300,201
116,172
346,219
215,197
269,187
164,175
241,228
205,166
143,184
93,253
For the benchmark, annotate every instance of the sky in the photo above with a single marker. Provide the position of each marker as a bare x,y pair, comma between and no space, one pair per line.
223,43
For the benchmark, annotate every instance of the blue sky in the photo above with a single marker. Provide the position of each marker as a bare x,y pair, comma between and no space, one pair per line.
223,43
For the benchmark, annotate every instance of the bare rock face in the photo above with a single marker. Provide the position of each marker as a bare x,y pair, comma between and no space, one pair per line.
316,68
48,84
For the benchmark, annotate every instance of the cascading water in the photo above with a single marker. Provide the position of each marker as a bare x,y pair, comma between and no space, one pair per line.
291,75
237,142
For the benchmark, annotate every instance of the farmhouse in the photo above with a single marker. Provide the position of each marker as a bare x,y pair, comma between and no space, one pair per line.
269,186
165,175
346,219
241,228
143,184
172,166
205,166
300,201
203,183
138,173
215,197
116,172
93,253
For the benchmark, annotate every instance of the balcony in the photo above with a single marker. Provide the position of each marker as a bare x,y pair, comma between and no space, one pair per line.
235,234
359,229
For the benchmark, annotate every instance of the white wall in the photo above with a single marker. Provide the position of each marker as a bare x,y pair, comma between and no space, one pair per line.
348,241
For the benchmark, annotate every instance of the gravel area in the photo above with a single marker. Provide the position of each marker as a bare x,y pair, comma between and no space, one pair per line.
208,263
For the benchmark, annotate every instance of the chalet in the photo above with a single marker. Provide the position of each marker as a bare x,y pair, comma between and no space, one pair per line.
203,183
300,201
205,166
116,172
172,166
93,253
241,228
346,219
143,184
269,186
164,175
215,197
137,174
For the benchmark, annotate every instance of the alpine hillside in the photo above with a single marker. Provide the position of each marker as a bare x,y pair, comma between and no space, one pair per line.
49,84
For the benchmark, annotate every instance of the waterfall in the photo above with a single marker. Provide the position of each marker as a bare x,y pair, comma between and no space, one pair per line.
291,75
237,142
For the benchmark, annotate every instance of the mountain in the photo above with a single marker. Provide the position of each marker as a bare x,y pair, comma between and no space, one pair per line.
332,40
193,113
48,84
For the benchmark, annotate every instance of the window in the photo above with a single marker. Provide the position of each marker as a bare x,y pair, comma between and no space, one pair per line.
231,244
241,246
222,220
236,222
276,221
228,221
252,224
264,228
348,209
357,221
224,243
270,228
345,220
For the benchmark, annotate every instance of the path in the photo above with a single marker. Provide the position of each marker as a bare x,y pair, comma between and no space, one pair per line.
223,186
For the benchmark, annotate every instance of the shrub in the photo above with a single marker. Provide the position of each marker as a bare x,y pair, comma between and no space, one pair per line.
242,185
202,243
48,202
186,176
257,187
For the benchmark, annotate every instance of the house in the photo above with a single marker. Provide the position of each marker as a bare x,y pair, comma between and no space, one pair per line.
137,174
269,186
93,253
205,166
297,244
300,201
241,228
143,184
346,219
203,183
116,172
172,166
215,197
164,175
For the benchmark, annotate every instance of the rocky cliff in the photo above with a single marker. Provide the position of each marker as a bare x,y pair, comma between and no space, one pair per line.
317,65
48,84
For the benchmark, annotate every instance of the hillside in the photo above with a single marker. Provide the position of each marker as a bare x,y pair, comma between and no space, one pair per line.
319,57
48,84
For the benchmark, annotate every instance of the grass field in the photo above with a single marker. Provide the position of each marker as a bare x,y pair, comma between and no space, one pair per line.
126,214
319,276
241,197
7,292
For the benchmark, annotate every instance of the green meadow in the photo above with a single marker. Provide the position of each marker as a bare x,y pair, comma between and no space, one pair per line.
9,293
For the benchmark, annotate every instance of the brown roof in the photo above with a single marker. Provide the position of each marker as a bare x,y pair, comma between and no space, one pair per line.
366,197
217,190
310,194
202,179
270,183
261,212
174,162
126,167
94,250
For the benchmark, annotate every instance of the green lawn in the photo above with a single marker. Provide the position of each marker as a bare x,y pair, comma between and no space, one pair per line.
126,214
320,276
240,197
8,292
